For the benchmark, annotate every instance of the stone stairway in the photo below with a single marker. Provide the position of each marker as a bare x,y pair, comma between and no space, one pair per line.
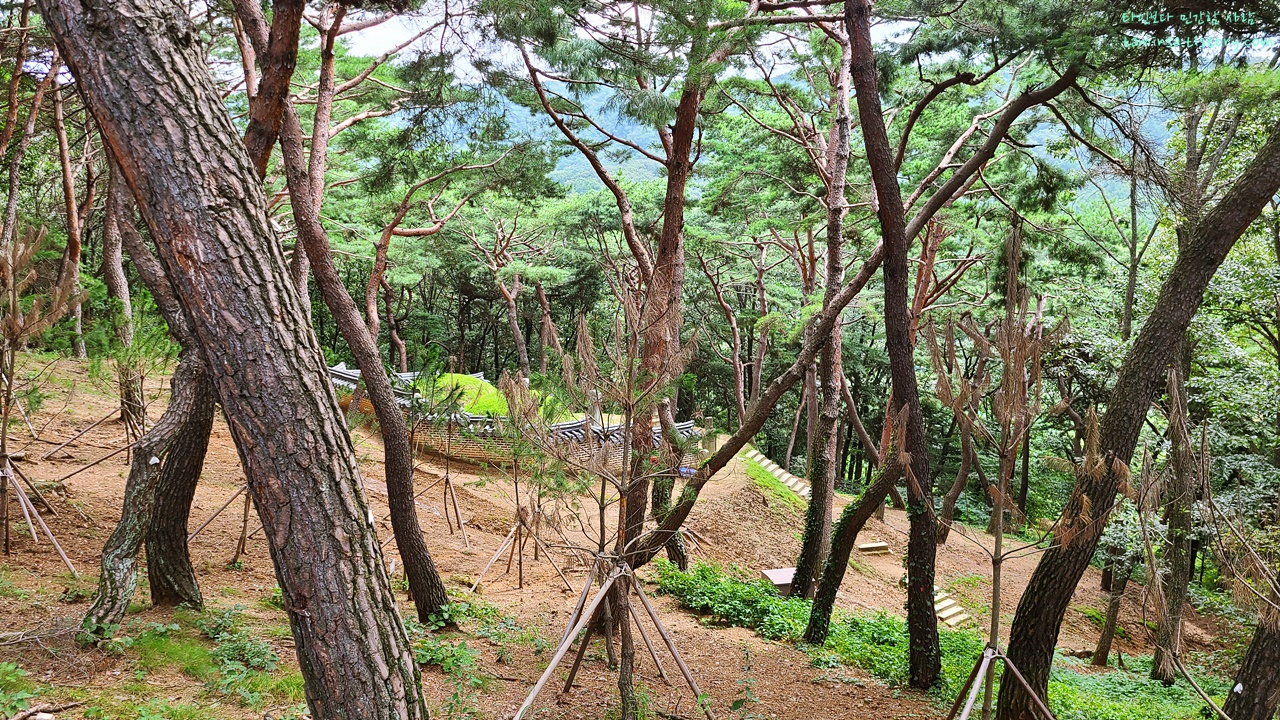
949,611
796,484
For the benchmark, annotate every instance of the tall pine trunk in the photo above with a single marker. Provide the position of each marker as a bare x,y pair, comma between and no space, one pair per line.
140,67
428,590
1044,603
922,622
823,462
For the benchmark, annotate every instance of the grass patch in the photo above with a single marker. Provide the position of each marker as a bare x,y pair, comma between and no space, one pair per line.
478,397
772,486
1099,619
1127,695
877,643
9,590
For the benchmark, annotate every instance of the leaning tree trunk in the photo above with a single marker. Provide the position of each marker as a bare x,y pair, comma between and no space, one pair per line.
1103,648
169,570
823,462
119,575
428,590
1044,603
140,68
922,622
844,536
967,457
1177,545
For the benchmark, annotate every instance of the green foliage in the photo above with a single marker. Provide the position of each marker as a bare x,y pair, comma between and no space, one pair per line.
1127,695
875,642
476,396
16,690
770,485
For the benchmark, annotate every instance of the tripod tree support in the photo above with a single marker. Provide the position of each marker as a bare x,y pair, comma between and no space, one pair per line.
976,679
582,617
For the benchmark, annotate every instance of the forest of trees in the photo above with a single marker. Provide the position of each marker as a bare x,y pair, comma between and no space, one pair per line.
1007,265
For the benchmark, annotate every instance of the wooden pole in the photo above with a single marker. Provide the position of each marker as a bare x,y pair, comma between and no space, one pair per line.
22,497
564,647
77,435
671,645
493,559
1008,665
448,483
31,525
648,643
34,489
582,600
577,660
538,542
217,512
983,667
108,456
960,696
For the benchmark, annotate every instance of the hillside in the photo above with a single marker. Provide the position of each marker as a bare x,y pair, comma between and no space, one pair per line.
161,666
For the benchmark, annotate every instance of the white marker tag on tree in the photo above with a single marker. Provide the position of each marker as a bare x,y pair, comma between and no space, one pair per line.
154,460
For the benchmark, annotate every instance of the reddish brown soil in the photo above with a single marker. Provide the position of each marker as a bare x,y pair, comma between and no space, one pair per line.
734,523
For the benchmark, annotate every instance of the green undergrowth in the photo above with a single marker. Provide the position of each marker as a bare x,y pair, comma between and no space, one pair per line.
216,648
1127,694
770,485
442,643
877,643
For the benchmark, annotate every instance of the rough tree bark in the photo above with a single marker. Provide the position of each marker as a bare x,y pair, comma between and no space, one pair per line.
120,553
428,590
1040,612
823,461
922,622
1256,694
166,460
140,69
169,571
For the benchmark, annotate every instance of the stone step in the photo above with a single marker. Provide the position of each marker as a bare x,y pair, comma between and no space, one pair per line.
947,604
957,620
951,612
874,548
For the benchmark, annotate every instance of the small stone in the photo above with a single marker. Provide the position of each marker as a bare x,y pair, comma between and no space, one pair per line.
43,716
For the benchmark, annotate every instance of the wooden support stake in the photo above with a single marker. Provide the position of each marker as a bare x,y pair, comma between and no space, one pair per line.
577,660
975,683
671,645
493,559
973,675
582,600
648,643
34,489
31,525
538,542
108,456
77,435
22,497
217,512
564,647
1008,665
458,515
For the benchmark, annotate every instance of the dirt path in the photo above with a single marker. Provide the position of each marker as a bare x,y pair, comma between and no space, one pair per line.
736,522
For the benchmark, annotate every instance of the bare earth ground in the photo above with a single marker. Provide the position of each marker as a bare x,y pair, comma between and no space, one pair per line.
737,523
